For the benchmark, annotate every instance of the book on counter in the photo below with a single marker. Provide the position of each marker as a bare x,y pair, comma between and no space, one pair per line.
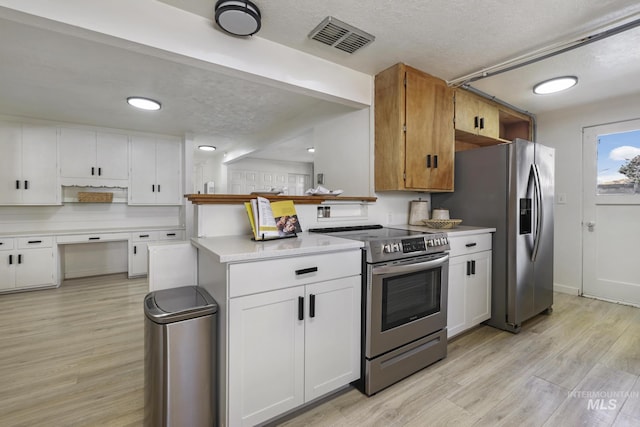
272,220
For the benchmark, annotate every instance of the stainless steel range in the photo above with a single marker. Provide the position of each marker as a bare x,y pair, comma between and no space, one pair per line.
404,297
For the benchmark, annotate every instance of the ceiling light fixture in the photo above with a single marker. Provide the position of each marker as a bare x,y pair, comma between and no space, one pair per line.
311,150
206,148
143,103
238,17
554,85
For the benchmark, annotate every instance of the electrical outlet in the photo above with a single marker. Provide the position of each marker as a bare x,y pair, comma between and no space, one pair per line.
561,198
320,178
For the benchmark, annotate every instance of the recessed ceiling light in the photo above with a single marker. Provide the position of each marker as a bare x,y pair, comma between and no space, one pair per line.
311,150
206,148
143,103
238,17
555,85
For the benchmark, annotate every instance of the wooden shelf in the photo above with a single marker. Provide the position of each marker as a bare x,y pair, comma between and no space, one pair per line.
231,199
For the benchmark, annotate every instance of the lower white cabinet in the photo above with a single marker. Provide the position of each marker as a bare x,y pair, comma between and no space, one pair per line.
26,263
469,299
139,248
290,346
296,340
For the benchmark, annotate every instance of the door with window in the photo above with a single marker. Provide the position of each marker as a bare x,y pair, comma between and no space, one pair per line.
611,212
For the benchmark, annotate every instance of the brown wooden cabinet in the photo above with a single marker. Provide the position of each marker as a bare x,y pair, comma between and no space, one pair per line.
414,133
480,122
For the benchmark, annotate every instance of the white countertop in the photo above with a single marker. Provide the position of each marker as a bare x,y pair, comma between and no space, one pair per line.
88,231
242,248
461,230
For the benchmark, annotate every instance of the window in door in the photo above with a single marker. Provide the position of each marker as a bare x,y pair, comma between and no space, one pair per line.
618,164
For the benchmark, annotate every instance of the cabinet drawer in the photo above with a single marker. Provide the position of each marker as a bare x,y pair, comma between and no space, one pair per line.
92,238
171,235
6,244
462,245
261,276
35,242
144,236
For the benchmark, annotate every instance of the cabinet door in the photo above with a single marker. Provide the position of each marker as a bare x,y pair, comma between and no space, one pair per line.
142,181
168,177
456,321
332,335
40,165
138,258
478,289
266,356
430,133
7,270
466,112
35,267
10,162
489,123
78,153
112,155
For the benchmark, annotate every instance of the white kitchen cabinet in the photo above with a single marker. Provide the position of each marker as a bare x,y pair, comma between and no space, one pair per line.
469,298
28,165
139,248
156,168
295,341
26,263
91,158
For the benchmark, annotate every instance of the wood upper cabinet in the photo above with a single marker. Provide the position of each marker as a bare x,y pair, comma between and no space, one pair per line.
414,148
476,116
480,122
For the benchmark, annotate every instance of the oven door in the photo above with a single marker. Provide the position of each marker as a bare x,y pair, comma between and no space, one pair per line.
406,300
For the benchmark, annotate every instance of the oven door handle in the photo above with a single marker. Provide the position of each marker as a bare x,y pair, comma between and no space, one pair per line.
410,268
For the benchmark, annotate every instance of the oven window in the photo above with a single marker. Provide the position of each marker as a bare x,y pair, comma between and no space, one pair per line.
409,297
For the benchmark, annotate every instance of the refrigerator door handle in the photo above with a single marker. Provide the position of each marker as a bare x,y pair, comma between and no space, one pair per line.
537,187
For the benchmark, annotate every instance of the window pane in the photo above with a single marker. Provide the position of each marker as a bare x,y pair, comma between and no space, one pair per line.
619,163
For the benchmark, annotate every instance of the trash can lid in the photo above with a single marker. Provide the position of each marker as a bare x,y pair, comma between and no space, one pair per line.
176,304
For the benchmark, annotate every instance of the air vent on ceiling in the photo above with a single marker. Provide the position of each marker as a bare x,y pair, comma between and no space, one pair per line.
340,35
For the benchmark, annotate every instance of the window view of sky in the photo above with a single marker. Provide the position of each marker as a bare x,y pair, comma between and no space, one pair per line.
615,150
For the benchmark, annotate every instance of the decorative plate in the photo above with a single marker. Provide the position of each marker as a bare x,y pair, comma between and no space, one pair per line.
442,223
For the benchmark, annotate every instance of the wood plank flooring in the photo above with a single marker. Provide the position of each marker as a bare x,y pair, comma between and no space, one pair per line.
73,356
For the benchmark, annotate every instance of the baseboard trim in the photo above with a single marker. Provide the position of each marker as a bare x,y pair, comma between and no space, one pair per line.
566,289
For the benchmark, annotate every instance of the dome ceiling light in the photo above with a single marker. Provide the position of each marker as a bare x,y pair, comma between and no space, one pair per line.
206,148
554,85
144,103
238,17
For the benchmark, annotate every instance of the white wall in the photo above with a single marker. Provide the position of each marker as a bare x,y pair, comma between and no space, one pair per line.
563,130
343,151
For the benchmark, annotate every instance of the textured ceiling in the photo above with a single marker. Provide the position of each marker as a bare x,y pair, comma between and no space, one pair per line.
60,77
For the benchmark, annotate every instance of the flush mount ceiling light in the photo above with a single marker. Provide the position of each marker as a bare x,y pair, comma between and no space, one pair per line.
238,17
311,150
206,148
143,103
554,85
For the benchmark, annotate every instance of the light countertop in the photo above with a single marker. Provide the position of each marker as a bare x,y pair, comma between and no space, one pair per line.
461,230
242,248
88,231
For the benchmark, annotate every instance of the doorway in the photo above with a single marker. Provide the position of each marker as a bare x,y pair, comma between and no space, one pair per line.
611,212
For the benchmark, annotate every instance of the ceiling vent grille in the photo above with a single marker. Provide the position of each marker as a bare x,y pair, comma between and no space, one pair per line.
340,35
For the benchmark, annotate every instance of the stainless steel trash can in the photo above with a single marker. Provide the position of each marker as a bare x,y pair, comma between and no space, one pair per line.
180,335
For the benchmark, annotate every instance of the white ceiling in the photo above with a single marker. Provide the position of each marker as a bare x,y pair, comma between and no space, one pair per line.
51,75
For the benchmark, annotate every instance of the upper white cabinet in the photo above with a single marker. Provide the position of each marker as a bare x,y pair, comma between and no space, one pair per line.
28,164
91,158
156,167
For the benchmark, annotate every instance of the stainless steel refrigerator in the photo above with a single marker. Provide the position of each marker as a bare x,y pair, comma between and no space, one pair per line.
510,187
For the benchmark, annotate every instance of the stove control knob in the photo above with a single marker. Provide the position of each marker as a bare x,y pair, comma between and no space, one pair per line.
386,249
429,243
445,240
396,247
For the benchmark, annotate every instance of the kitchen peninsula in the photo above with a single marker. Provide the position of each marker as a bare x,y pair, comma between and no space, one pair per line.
289,320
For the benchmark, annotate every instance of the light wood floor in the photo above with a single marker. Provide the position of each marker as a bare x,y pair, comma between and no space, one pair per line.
74,357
